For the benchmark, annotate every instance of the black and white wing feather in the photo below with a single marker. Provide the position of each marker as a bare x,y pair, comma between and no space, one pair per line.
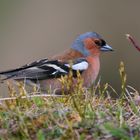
46,69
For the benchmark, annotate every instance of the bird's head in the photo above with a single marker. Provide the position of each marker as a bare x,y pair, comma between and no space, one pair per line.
90,43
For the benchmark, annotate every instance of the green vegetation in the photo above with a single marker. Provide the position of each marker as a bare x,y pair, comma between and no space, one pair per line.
81,115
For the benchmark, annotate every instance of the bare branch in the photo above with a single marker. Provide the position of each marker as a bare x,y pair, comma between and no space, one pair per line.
133,41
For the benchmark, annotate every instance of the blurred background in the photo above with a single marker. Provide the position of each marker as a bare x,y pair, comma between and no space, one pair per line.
34,29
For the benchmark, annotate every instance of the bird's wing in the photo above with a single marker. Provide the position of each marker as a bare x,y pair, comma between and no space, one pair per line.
46,69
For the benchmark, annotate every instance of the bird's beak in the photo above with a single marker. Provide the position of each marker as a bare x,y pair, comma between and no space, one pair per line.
106,48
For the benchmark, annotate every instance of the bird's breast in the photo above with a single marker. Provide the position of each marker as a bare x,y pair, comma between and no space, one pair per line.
91,73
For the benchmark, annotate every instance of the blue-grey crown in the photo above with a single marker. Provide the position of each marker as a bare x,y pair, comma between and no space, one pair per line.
88,35
79,45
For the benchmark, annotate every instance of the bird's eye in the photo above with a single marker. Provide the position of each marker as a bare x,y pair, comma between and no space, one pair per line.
97,42
100,42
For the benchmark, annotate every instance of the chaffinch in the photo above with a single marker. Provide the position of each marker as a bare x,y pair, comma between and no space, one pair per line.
83,56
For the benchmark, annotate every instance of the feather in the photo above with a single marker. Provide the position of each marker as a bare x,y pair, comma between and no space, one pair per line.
46,69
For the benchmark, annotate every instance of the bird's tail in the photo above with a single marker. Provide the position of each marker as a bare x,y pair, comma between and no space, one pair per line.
7,72
5,75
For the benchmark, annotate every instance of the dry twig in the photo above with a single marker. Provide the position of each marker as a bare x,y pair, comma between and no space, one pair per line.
133,41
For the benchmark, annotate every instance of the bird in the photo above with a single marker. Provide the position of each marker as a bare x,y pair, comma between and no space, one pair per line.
83,56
